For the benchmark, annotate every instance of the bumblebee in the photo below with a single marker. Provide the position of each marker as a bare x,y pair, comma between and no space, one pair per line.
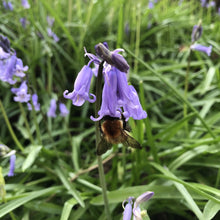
114,131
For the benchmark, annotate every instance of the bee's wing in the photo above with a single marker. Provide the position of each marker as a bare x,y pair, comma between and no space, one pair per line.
103,146
130,141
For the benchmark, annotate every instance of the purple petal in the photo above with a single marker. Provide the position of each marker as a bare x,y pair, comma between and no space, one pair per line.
20,69
202,48
7,68
52,109
21,93
109,104
196,32
142,198
81,88
63,110
25,4
12,165
5,44
8,5
3,54
128,209
35,103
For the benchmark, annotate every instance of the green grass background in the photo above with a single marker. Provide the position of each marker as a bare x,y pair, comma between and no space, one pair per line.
56,168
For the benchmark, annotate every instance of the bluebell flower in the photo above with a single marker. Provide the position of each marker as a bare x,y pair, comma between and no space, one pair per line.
12,165
63,110
150,5
25,4
20,69
21,93
128,208
211,4
136,209
50,21
24,22
8,5
3,54
81,88
203,3
196,32
7,69
137,212
52,109
35,103
5,44
117,95
52,34
109,104
202,48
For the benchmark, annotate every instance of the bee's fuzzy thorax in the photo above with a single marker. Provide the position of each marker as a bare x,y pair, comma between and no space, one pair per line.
112,130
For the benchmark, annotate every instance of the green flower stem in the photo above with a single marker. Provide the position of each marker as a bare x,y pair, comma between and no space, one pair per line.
10,128
36,125
97,132
26,122
186,91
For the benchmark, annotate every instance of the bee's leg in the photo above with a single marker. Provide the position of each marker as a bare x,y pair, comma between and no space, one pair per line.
125,124
100,127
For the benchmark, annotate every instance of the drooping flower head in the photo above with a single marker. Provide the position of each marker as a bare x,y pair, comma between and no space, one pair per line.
117,96
12,165
21,93
196,32
137,212
202,48
128,208
8,5
203,3
50,33
52,109
24,22
10,66
5,44
25,4
35,103
150,4
136,209
81,93
5,151
63,110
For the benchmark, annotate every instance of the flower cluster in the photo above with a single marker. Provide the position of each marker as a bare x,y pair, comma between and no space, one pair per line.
118,97
137,212
206,4
6,152
12,70
196,34
8,5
